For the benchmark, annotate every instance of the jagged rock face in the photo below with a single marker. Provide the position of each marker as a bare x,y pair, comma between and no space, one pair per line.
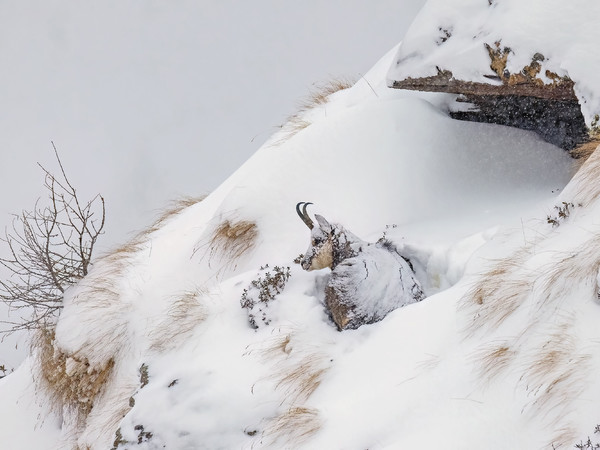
521,100
558,122
530,98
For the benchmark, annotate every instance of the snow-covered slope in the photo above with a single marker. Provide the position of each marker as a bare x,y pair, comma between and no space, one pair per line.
502,354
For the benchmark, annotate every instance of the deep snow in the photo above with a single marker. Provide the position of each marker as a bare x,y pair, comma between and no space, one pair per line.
502,354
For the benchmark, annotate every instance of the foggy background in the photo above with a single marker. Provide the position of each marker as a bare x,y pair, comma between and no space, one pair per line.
150,100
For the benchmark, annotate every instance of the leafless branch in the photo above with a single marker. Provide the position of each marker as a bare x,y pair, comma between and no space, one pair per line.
49,248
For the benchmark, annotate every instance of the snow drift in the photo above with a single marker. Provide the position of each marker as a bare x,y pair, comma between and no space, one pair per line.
502,353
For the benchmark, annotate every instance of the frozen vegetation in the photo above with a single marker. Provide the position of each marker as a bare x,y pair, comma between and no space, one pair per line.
179,338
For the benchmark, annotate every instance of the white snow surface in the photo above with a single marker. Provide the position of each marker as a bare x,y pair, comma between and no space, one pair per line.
450,35
502,354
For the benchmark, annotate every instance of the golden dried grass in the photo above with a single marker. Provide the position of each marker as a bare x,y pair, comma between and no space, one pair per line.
322,91
297,372
318,96
555,374
276,347
586,182
70,382
293,427
176,207
302,378
564,437
492,360
579,267
231,240
583,151
120,254
498,292
183,316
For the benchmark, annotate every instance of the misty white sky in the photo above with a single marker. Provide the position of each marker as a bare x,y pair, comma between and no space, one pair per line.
149,100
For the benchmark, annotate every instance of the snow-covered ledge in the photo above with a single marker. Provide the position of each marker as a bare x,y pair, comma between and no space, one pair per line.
514,70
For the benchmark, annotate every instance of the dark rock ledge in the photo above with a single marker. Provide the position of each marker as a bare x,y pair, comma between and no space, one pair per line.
519,100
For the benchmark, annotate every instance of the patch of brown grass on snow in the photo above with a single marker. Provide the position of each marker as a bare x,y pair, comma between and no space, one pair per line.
492,360
183,316
176,207
587,180
231,240
583,151
498,292
316,97
556,374
69,382
293,427
300,380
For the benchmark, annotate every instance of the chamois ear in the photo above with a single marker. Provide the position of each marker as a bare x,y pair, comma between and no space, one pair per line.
323,224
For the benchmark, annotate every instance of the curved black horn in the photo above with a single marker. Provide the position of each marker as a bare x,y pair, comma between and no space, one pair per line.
304,215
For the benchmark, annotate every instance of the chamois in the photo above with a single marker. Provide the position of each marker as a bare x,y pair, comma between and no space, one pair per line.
368,280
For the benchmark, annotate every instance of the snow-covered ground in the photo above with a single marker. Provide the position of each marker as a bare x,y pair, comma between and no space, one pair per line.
502,354
140,97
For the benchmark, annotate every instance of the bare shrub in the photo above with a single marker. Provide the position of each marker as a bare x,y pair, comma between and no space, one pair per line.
71,383
256,298
50,248
589,445
563,212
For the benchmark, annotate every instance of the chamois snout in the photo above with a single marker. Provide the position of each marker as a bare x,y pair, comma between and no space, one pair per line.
320,252
318,256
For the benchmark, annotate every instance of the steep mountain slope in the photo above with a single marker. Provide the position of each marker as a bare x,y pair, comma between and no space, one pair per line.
153,350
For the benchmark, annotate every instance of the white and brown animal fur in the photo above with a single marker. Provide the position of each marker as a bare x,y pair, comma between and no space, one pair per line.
368,280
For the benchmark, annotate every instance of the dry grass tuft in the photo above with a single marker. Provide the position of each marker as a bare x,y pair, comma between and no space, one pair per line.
492,360
498,292
297,372
293,427
317,97
231,240
176,207
579,267
556,374
563,438
583,151
183,316
320,94
120,254
587,181
300,380
70,382
276,347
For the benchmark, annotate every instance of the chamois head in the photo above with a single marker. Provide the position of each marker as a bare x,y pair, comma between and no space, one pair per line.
320,252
